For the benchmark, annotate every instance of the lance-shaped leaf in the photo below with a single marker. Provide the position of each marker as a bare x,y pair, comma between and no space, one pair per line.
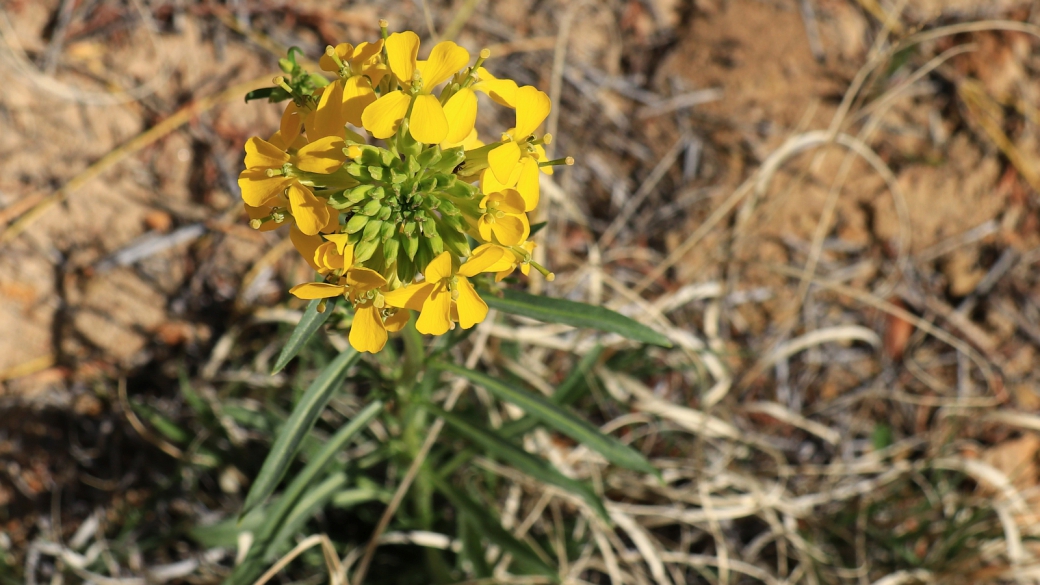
500,448
559,419
308,325
523,555
300,422
312,501
566,312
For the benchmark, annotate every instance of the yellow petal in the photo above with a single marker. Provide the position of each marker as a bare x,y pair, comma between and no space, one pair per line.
485,228
292,121
510,230
470,142
461,112
357,95
261,154
343,246
367,332
532,107
311,213
446,59
485,258
316,290
332,225
305,245
410,297
427,122
401,50
363,52
527,183
490,184
328,117
439,268
258,189
327,258
503,91
343,51
397,321
382,117
322,156
435,316
364,279
509,201
472,309
502,160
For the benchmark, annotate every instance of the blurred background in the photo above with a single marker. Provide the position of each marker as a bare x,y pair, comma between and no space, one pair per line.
829,205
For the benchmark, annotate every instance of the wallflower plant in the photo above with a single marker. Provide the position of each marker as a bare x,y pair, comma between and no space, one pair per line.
411,224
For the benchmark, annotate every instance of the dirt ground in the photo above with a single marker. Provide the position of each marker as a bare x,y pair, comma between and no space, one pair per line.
869,224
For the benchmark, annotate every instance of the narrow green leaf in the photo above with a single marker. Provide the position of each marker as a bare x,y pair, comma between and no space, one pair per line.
552,310
557,418
300,422
568,391
308,325
493,531
276,518
314,500
538,468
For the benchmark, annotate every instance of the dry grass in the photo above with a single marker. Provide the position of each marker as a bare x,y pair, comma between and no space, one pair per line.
829,208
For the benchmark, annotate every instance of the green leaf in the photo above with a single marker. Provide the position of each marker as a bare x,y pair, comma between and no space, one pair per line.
557,418
276,518
566,312
308,324
501,448
300,422
523,554
314,500
568,391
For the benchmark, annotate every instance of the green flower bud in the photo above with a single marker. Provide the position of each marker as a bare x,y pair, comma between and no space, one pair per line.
371,208
356,223
449,159
411,245
364,250
371,230
386,231
384,212
376,172
391,246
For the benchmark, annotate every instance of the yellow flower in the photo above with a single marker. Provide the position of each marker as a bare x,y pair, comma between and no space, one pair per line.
434,296
361,286
270,180
515,162
360,69
429,121
503,220
502,91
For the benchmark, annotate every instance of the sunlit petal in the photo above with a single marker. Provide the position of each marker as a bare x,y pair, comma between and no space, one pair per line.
427,122
471,308
439,268
461,112
328,118
305,245
401,50
532,107
485,258
357,95
364,279
382,116
322,156
310,212
446,59
367,332
397,321
316,290
261,154
435,316
527,183
410,297
258,189
502,160
503,91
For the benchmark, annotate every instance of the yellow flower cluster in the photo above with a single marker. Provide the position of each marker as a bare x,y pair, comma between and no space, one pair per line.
404,223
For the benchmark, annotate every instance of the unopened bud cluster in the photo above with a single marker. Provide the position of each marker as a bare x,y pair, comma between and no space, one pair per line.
403,223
